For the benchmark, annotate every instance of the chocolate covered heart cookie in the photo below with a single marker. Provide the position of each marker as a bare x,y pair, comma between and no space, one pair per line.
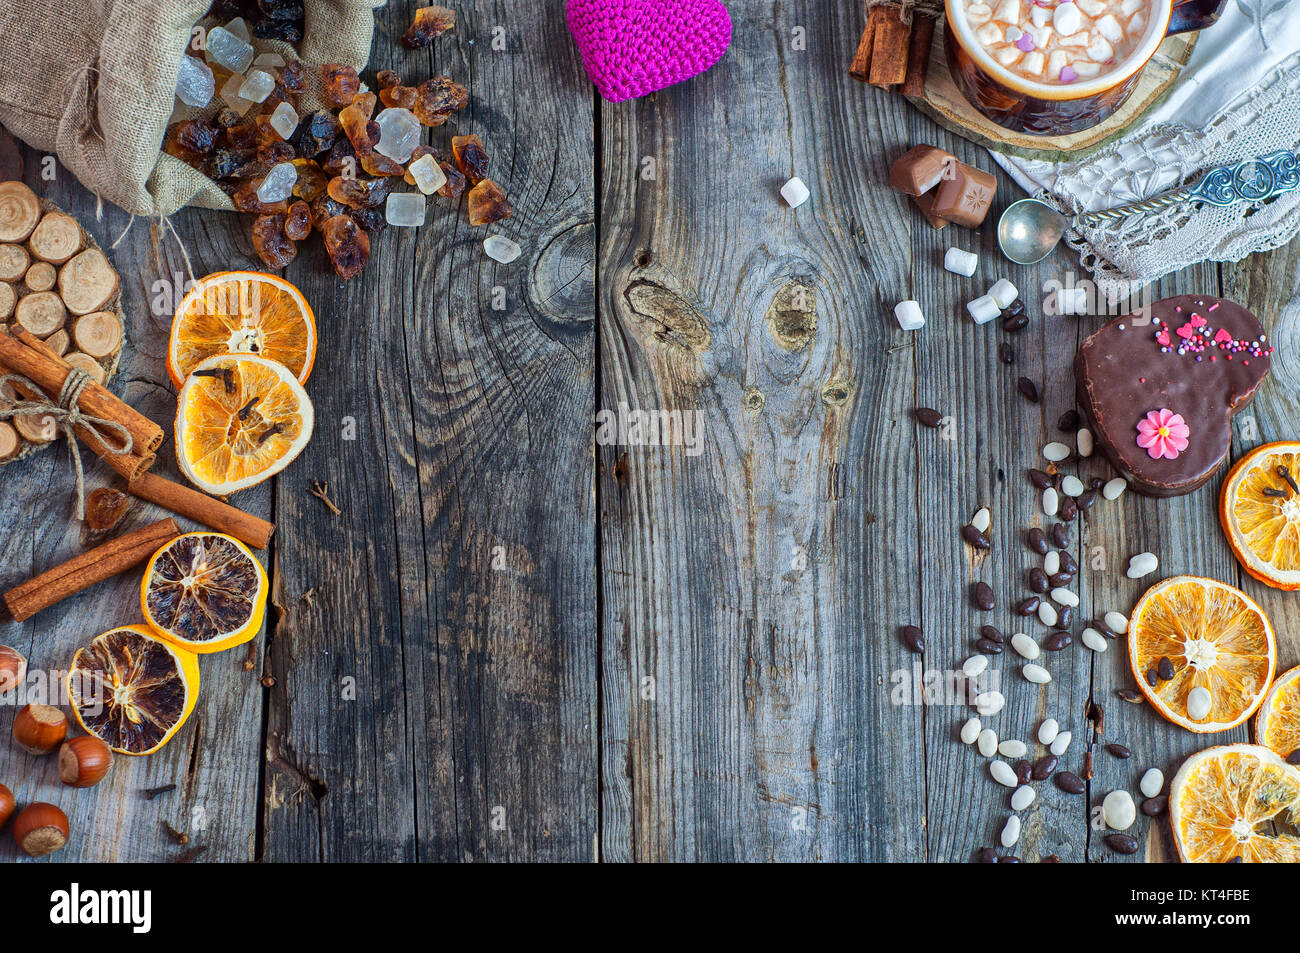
1160,396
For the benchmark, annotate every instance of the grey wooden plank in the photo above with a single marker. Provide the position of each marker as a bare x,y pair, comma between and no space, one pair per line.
756,584
472,734
215,758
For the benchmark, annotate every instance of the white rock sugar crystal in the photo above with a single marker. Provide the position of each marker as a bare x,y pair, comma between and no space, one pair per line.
499,248
278,184
229,50
405,208
284,120
257,86
428,175
230,94
399,134
273,60
239,28
195,84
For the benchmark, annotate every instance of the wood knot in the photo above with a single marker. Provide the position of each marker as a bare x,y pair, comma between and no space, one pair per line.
836,391
792,315
675,319
753,399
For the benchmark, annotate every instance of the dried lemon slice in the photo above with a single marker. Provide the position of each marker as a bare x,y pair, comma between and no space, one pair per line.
242,312
132,689
204,592
1220,647
1277,727
240,420
1224,801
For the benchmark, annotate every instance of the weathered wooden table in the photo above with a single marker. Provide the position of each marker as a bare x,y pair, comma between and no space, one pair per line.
519,643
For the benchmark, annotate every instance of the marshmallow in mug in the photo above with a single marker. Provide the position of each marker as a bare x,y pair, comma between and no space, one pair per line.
1057,41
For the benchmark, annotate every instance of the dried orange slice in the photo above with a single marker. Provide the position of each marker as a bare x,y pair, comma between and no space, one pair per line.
1216,639
242,312
240,420
1259,508
204,592
1277,726
1224,801
132,689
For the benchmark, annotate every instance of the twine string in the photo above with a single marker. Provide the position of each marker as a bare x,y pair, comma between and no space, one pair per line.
67,415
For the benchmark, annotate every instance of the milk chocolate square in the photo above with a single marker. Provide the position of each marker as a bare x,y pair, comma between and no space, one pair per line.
965,195
920,169
925,204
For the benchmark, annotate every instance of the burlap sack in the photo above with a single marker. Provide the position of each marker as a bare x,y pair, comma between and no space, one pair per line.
95,82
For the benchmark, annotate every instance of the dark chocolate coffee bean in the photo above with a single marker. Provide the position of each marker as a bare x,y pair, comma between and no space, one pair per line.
1068,563
1024,771
1060,536
1038,581
1100,626
1009,860
1086,499
1028,389
1064,616
1015,322
1165,668
992,633
1051,859
913,638
1119,751
1041,480
1061,579
1043,768
1057,641
1015,307
1155,806
988,647
1005,354
1069,782
986,855
1128,695
982,596
1067,509
1122,843
1027,606
976,538
1069,421
1037,541
928,417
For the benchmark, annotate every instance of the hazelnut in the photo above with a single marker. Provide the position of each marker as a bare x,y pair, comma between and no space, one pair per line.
12,668
39,729
84,761
6,805
41,829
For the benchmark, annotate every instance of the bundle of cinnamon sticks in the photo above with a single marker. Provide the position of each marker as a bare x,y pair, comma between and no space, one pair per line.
24,354
894,52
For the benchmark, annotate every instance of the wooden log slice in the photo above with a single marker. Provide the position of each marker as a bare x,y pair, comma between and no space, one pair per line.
56,239
20,210
13,262
98,334
40,276
42,313
10,442
87,282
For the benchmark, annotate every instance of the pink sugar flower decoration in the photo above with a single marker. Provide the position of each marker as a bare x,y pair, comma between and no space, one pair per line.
1163,433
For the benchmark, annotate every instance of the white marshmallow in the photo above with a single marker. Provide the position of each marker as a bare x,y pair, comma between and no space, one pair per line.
1109,27
1004,292
795,192
1066,19
960,262
909,315
983,309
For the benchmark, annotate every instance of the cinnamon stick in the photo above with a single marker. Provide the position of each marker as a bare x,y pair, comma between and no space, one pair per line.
918,56
129,465
889,49
860,68
202,508
94,565
49,372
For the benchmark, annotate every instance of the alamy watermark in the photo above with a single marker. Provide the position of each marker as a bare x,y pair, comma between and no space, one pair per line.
626,427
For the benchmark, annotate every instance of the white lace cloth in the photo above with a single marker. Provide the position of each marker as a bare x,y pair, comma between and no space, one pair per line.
1238,98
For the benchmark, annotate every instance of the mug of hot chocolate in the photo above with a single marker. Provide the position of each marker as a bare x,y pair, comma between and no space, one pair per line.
1052,67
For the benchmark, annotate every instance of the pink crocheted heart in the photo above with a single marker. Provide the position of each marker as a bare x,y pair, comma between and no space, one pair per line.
633,47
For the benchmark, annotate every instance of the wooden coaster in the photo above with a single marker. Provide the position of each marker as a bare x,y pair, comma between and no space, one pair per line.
49,252
944,103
